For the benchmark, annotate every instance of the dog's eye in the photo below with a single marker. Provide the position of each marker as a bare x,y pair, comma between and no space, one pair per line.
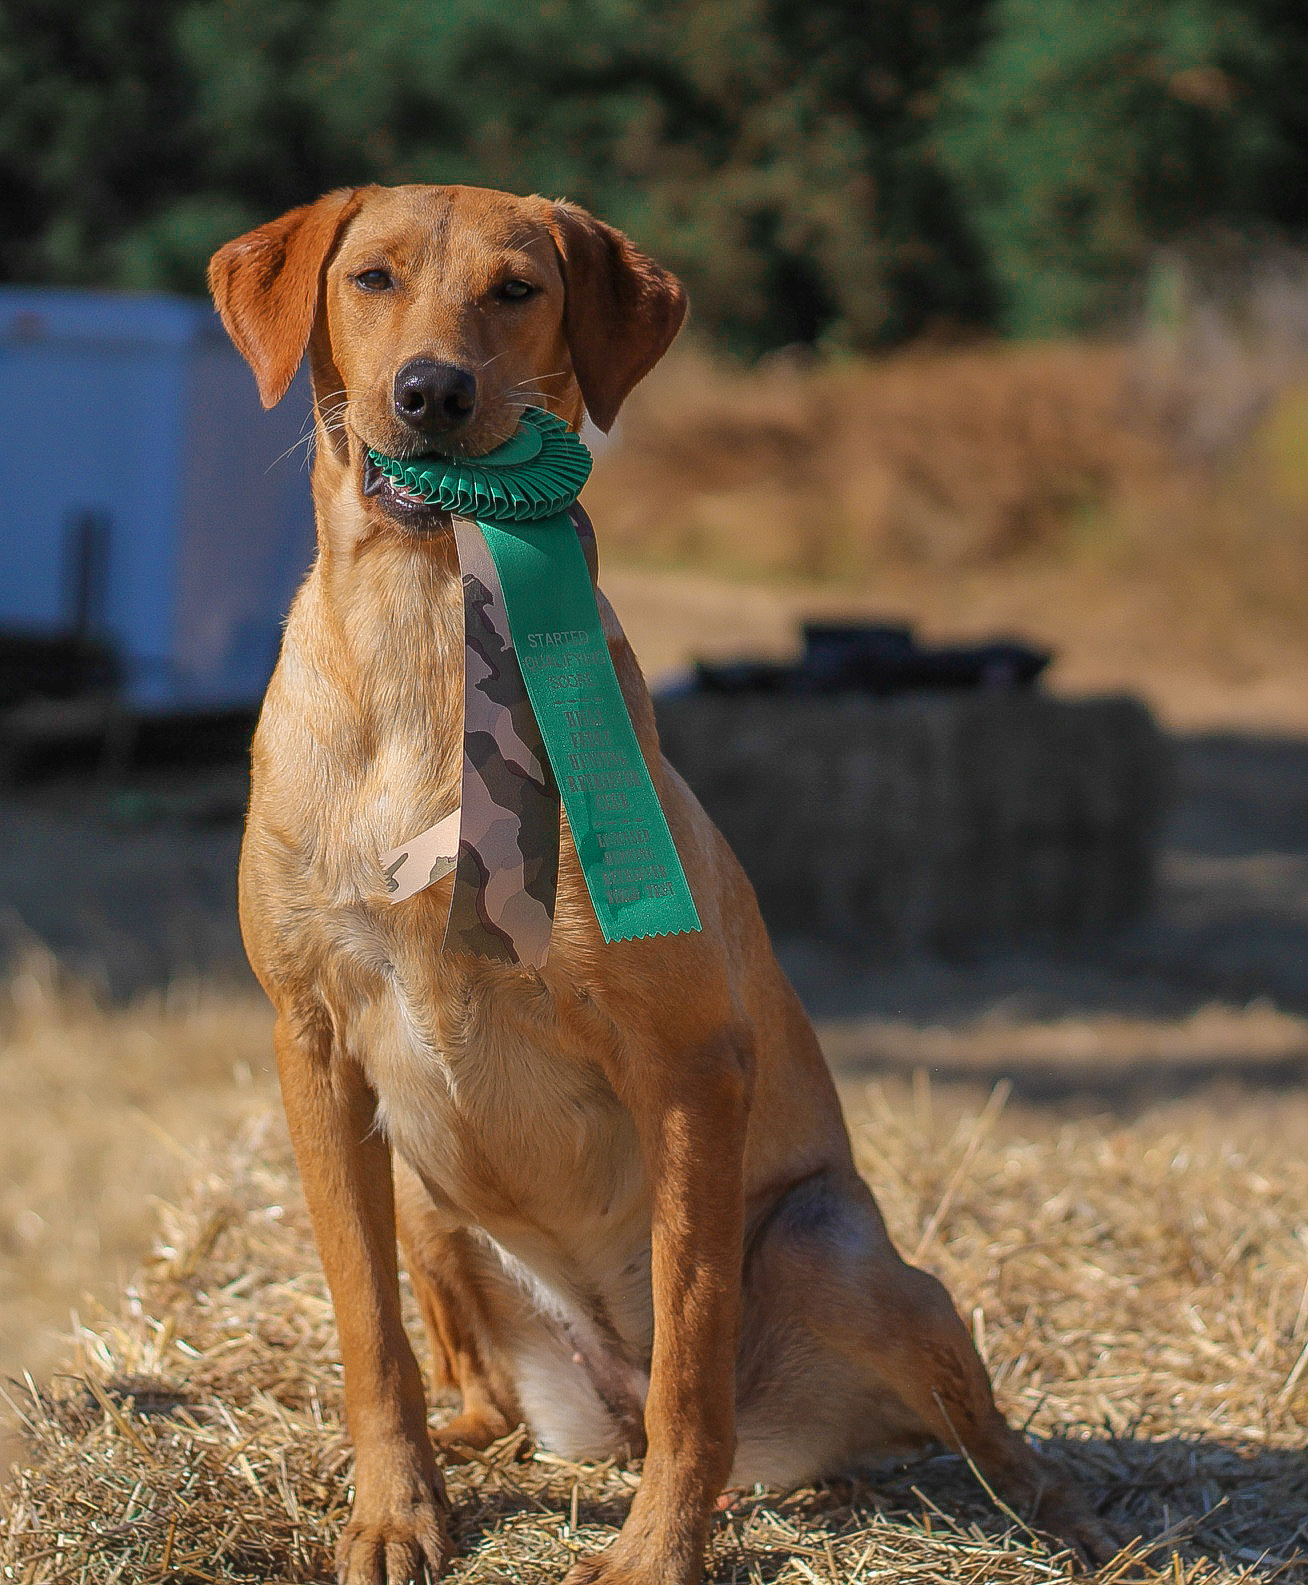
514,290
374,281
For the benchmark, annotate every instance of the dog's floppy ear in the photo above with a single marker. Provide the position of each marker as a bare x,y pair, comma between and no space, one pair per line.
621,310
266,287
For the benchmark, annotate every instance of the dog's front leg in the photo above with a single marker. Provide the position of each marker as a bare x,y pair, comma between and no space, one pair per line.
396,1535
692,1125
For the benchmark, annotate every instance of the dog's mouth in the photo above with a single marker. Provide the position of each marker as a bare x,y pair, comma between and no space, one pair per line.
400,504
403,505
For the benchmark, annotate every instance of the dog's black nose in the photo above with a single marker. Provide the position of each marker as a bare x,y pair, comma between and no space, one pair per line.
434,398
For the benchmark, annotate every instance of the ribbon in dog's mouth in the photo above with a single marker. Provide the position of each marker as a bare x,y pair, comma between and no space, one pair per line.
544,722
378,484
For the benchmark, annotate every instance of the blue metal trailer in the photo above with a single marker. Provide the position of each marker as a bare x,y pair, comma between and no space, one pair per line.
147,502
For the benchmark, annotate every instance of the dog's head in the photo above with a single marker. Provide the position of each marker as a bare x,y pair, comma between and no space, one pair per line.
432,315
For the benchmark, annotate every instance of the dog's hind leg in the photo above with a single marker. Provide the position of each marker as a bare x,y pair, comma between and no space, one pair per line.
515,1353
459,1292
850,1355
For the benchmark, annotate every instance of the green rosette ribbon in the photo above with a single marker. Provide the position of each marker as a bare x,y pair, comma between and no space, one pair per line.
534,635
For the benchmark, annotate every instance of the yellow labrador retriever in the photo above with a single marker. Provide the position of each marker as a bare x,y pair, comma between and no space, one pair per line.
622,1183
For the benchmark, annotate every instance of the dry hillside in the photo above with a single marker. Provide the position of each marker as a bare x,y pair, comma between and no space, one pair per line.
1131,513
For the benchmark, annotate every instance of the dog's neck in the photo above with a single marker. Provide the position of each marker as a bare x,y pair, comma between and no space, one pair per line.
388,615
384,602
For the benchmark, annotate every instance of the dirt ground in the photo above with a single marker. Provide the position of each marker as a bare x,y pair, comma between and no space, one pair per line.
1137,1285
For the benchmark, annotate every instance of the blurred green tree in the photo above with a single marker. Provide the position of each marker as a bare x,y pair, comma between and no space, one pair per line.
837,173
1084,136
90,102
770,155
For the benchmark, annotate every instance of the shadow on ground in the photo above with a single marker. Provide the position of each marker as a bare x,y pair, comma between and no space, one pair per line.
1229,921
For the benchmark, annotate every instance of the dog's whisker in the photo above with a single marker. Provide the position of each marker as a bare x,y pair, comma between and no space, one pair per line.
520,238
555,374
306,437
528,395
305,440
331,424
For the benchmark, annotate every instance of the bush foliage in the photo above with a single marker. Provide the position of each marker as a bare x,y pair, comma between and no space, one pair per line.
835,173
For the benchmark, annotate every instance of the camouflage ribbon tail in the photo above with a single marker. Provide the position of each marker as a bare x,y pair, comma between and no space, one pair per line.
545,729
629,860
506,872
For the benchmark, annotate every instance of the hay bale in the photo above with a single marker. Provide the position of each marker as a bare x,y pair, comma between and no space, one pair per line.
1138,1291
953,823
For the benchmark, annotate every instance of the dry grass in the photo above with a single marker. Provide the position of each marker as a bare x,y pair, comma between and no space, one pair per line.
104,1108
831,470
1140,1293
1106,1054
1039,490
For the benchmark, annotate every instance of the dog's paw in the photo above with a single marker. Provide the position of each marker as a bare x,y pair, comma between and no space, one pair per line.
1066,1516
609,1568
399,1539
595,1569
1095,1543
476,1430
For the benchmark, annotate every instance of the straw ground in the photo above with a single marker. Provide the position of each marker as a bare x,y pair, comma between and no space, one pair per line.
1138,1286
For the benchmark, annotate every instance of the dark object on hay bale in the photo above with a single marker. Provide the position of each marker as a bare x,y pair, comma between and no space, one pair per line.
841,657
950,822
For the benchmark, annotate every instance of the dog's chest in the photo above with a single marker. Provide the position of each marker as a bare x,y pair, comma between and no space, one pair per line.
507,1127
487,1099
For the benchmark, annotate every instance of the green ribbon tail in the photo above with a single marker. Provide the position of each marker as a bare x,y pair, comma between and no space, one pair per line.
632,869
